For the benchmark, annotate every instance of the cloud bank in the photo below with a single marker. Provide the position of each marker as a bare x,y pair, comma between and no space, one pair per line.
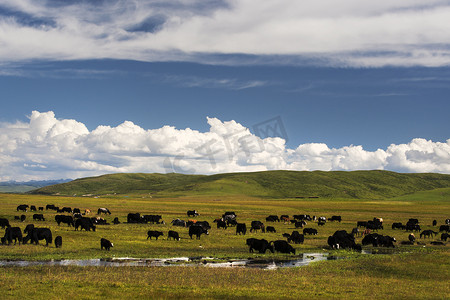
49,148
344,33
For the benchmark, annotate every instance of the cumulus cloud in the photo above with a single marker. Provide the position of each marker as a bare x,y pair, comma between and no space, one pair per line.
347,33
46,147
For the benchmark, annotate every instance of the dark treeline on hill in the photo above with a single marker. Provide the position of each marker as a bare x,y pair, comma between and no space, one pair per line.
274,184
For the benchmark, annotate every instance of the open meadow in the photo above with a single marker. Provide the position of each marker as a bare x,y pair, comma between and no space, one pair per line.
408,271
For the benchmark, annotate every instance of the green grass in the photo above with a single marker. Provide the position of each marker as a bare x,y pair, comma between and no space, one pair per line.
269,184
130,239
406,276
412,272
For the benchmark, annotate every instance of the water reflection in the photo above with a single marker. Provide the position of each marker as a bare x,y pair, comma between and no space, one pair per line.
303,260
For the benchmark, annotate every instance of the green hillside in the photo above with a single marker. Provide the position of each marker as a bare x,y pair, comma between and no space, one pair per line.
276,184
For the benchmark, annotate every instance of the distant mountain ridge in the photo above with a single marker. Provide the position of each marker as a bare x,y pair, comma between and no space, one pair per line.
25,186
275,184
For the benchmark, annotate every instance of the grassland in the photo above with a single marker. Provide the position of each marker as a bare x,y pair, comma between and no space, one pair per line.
405,276
412,272
130,239
269,184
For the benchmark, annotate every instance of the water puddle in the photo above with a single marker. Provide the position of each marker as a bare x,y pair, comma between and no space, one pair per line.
303,260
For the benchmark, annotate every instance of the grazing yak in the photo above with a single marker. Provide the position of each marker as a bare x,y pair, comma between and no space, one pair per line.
241,228
154,219
204,224
35,234
398,225
99,221
286,235
272,218
412,227
134,218
257,225
296,237
229,215
33,208
379,240
322,220
197,231
300,224
386,241
58,241
38,217
50,206
231,222
12,233
66,209
342,239
178,222
64,219
270,229
335,218
22,207
310,231
260,245
302,217
444,236
412,237
413,221
283,247
4,222
362,224
104,243
444,228
374,225
173,234
221,224
154,233
285,219
103,210
427,233
85,223
192,213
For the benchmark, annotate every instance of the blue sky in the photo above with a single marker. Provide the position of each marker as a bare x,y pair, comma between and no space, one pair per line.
92,87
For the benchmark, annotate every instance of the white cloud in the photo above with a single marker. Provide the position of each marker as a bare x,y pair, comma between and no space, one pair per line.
46,147
344,33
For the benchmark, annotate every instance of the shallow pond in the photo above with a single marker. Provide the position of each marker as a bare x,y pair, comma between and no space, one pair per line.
298,261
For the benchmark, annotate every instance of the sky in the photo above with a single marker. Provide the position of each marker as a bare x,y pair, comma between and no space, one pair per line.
208,86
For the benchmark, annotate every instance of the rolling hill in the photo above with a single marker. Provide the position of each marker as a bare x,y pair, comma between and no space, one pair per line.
25,186
273,184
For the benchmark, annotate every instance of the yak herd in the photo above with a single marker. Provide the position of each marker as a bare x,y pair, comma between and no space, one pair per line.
341,239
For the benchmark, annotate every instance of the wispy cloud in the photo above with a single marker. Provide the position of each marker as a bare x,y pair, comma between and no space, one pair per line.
349,33
221,83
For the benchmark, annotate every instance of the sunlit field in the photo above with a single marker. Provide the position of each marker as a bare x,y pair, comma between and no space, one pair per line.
419,270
